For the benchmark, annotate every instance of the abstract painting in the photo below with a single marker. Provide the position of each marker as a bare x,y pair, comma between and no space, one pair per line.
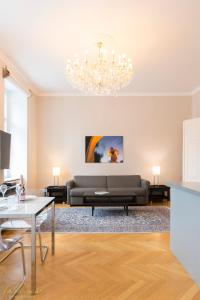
104,149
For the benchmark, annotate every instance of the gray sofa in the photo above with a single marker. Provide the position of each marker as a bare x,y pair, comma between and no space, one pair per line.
80,185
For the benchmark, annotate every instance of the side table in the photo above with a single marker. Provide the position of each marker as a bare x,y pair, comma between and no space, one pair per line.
159,192
59,192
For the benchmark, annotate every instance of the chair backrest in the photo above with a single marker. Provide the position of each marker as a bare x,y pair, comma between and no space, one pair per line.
7,244
2,247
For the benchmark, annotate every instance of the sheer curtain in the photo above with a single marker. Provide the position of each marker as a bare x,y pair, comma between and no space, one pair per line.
15,122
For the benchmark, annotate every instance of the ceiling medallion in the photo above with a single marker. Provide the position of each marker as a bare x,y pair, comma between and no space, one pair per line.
104,74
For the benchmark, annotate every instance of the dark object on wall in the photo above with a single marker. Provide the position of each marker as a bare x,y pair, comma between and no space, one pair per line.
104,149
5,72
159,192
5,141
59,192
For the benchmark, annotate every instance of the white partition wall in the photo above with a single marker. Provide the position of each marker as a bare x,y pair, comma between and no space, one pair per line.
185,226
191,150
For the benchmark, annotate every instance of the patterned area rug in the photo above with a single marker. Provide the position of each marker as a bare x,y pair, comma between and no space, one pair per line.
109,219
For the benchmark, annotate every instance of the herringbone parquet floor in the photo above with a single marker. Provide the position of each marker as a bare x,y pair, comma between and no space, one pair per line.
108,267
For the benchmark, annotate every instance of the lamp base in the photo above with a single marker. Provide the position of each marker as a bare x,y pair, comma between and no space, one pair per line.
156,180
56,180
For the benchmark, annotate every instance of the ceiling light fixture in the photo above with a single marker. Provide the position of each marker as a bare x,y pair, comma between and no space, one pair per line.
104,74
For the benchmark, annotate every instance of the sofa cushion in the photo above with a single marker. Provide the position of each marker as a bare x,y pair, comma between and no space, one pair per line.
90,181
124,181
137,190
79,192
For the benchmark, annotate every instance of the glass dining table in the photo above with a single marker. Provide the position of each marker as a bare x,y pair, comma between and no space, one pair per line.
11,208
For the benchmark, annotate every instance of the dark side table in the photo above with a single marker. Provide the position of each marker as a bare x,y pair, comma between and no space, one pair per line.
159,192
59,192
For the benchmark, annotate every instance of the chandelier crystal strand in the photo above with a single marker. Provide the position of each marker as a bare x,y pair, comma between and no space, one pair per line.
105,75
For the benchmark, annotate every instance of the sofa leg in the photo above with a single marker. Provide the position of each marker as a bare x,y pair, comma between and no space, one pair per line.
92,210
127,210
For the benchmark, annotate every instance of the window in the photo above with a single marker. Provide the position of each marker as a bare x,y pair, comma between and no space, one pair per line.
15,122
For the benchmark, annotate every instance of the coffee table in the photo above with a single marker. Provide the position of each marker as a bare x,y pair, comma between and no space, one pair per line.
112,198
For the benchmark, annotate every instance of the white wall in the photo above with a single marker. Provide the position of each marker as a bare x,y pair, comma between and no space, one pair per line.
191,150
196,105
151,126
32,142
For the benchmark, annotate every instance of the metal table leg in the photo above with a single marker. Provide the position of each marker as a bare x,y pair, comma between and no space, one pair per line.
53,229
33,254
127,210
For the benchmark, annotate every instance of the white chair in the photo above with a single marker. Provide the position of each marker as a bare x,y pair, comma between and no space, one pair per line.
25,226
7,246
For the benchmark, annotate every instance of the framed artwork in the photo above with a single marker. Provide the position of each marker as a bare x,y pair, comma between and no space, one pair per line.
104,149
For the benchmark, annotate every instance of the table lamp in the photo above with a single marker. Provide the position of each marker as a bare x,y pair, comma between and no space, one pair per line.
56,174
156,173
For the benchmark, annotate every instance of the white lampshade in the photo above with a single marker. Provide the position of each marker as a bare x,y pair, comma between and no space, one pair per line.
156,170
56,171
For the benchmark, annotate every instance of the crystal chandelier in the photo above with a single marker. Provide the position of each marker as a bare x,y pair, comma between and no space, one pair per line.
103,75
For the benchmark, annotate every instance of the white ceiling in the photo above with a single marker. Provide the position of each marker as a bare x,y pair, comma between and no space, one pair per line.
161,36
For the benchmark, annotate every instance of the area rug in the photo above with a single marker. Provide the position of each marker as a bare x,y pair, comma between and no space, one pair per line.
109,219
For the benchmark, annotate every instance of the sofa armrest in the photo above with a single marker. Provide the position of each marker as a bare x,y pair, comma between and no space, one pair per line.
145,184
70,184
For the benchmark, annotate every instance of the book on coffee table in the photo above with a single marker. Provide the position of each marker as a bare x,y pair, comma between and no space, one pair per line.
101,193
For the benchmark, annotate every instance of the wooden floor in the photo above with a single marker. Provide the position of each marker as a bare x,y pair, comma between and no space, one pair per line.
104,267
107,267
